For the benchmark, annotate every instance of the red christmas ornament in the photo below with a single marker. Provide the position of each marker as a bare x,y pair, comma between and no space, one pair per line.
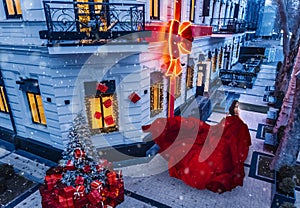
97,115
107,103
133,97
79,154
87,169
79,180
109,120
70,165
102,87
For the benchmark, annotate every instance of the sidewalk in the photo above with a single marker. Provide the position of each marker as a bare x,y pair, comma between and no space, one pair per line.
147,181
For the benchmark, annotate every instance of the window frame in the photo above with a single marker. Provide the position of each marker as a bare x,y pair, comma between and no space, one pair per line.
91,91
152,9
192,10
189,77
3,101
178,86
15,9
41,115
90,117
155,110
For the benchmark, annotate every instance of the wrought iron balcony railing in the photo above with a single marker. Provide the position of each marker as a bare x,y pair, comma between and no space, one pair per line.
228,25
91,20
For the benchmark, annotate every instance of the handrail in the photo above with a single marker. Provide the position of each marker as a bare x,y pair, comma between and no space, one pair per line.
228,25
92,18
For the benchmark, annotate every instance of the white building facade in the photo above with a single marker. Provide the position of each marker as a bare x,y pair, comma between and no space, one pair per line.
100,57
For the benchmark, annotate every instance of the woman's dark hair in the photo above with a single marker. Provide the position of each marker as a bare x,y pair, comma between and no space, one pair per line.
232,106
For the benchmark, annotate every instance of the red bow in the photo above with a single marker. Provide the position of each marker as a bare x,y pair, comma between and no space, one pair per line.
180,42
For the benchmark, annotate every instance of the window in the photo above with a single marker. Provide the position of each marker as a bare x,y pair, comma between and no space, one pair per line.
189,77
13,8
154,9
220,58
237,50
36,108
192,10
156,93
101,106
32,90
178,86
91,16
214,62
3,103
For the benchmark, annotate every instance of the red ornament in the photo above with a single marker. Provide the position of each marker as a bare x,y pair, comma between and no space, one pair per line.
133,97
79,154
102,87
107,103
87,169
70,165
97,115
100,167
79,180
109,120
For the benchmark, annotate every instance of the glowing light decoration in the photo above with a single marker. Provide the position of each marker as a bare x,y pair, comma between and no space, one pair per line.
179,42
180,39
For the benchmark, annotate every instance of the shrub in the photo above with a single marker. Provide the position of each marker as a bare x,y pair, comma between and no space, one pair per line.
287,185
287,205
3,186
6,171
286,171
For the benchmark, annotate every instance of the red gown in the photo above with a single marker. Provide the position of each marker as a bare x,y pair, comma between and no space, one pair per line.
203,156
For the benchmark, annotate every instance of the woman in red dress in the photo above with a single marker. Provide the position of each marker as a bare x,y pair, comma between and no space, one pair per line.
204,156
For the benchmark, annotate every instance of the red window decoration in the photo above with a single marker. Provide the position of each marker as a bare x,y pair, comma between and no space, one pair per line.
107,103
102,87
97,115
133,97
109,120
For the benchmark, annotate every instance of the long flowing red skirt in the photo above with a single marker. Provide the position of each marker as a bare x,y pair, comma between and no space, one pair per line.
203,156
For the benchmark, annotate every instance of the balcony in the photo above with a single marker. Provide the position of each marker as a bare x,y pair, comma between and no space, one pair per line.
228,25
91,20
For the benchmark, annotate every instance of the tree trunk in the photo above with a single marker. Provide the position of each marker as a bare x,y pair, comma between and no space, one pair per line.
286,107
284,73
284,154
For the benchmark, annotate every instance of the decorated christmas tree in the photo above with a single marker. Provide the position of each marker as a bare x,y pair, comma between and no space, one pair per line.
82,179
